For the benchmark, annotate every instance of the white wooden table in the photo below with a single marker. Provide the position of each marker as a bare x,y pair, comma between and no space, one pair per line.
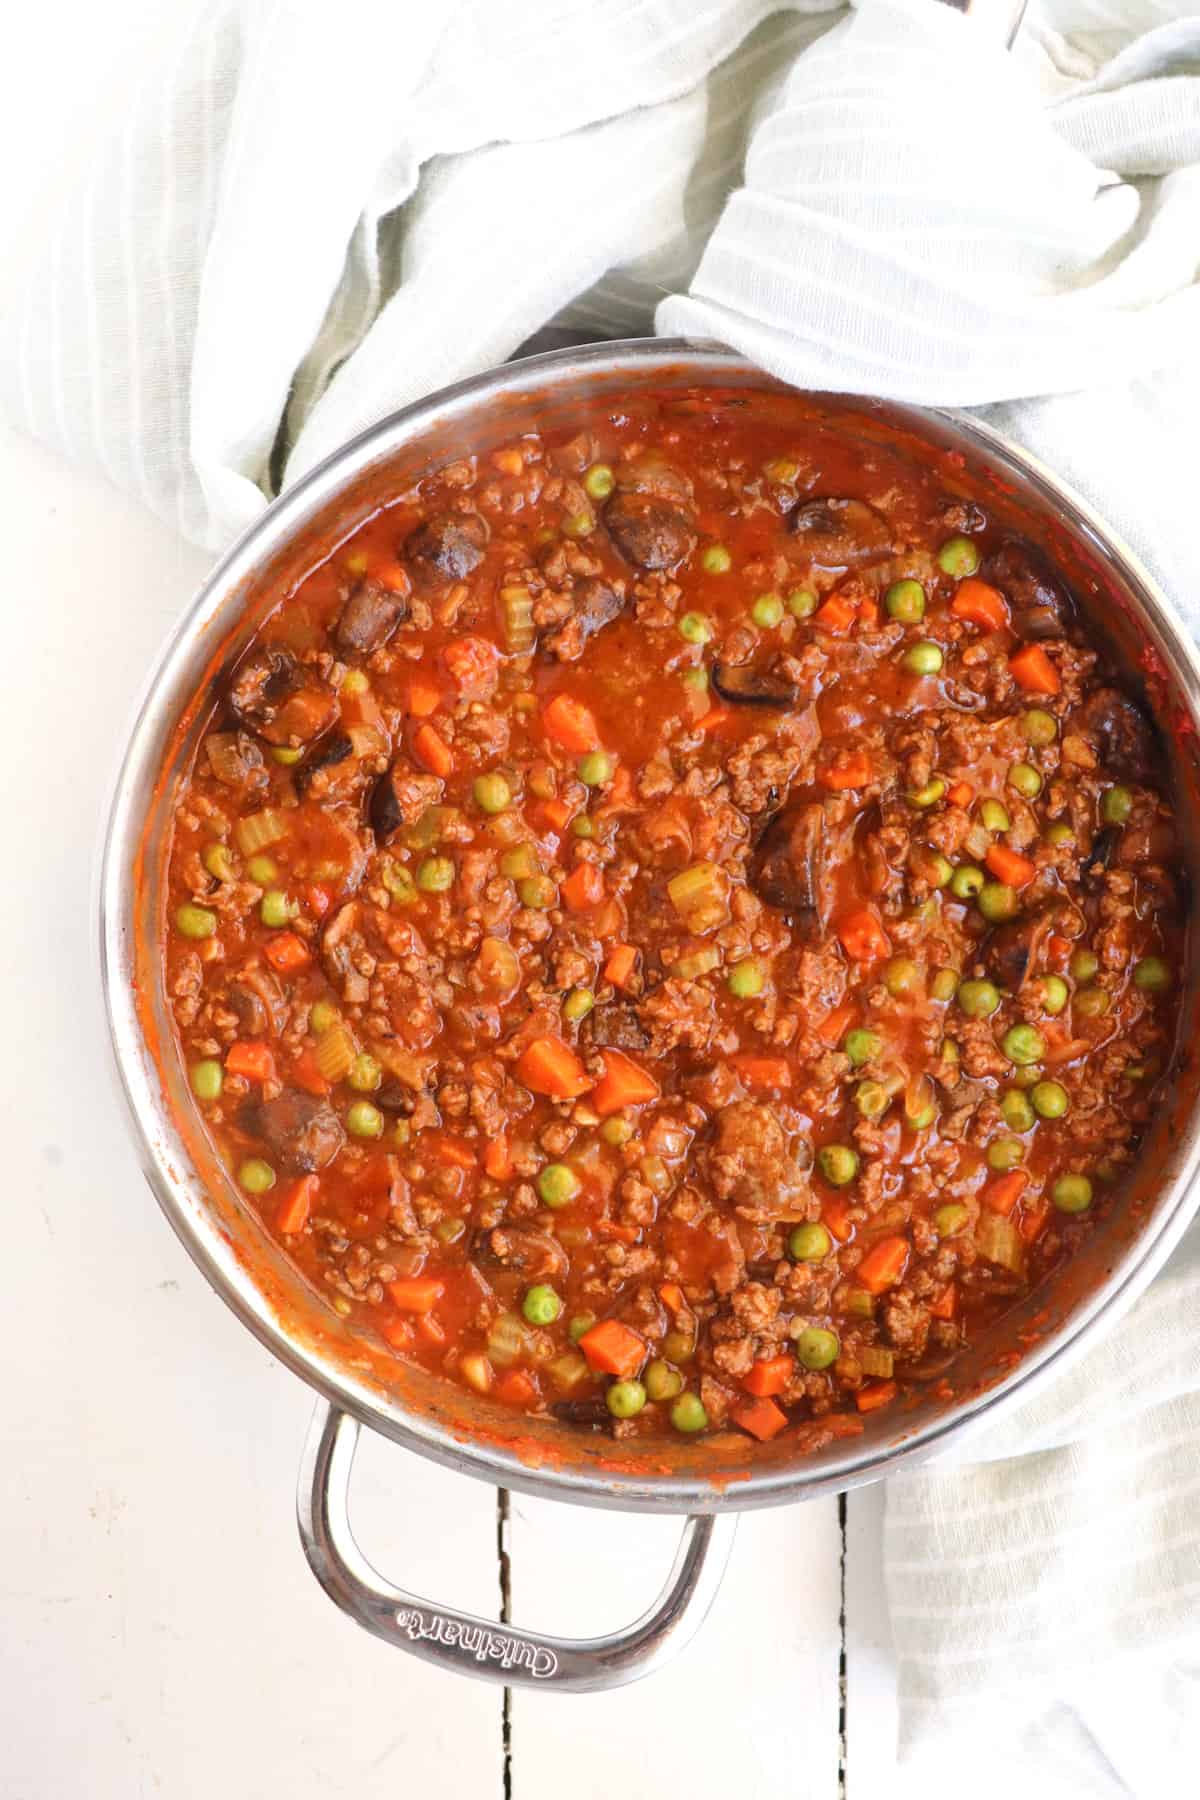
159,1631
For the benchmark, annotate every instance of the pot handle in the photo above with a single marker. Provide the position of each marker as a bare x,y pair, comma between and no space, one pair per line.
472,1646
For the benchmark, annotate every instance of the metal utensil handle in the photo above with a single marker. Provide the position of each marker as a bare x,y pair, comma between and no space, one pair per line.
472,1646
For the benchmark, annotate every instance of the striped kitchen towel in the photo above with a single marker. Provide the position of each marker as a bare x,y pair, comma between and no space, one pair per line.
300,228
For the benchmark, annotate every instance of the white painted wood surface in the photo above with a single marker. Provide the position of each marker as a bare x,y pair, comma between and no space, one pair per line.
160,1632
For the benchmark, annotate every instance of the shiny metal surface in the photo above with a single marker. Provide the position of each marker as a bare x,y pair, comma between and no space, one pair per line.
508,1654
234,1253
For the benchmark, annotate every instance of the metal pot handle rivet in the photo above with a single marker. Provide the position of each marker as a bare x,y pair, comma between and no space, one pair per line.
472,1646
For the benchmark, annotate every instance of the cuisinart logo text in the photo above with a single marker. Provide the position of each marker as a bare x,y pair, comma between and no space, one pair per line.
479,1641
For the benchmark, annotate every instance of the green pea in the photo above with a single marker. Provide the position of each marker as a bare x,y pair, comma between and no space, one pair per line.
625,1399
195,921
354,684
924,658
746,979
1058,834
1083,965
926,796
582,827
1091,1002
694,628
492,793
802,603
322,1014
679,1346
1055,994
558,1185
578,1004
923,1118
1025,778
275,908
435,875
518,862
767,611
541,1304
262,869
616,1131
949,1220
1038,727
949,1051
995,816
285,755
716,560
998,902
872,1099
1072,1193
1116,804
662,1381
967,881
1152,975
1028,1076
958,557
809,1243
399,882
861,1045
218,862
208,1078
901,976
1023,1044
580,524
364,1120
1050,1099
978,999
940,871
365,1074
256,1176
595,769
537,892
944,985
817,1348
688,1414
1016,1110
838,1164
599,481
905,601
696,680
1005,1153
579,1325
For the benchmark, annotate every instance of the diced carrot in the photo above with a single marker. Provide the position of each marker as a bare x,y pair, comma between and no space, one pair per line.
764,1071
295,1205
472,663
432,752
883,1265
613,1348
769,1375
431,1329
509,462
837,614
584,887
497,1161
849,769
761,1418
287,952
1058,946
1007,866
399,1333
714,718
391,575
835,1215
416,1294
1003,1193
570,723
619,1234
622,1084
318,899
252,1059
516,1387
1033,1220
868,613
671,1295
424,695
449,1150
875,1395
980,604
621,964
961,794
1032,670
306,1074
946,1304
863,937
548,1066
619,797
556,813
833,1026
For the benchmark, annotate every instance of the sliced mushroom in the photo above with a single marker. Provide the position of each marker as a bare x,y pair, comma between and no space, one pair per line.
368,619
309,777
786,862
1009,951
841,534
1095,865
615,1026
512,1247
261,684
1122,731
258,1001
650,532
447,547
743,685
300,1131
592,1415
400,796
1039,605
594,605
236,759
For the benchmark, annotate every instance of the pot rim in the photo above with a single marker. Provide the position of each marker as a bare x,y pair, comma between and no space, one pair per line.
202,1236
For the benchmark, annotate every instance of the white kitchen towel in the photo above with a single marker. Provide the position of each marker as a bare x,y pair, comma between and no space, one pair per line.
301,228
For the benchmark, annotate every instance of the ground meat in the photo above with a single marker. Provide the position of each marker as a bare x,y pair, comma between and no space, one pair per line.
751,1163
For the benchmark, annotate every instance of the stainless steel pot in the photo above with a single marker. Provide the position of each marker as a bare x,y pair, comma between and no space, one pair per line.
359,1384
